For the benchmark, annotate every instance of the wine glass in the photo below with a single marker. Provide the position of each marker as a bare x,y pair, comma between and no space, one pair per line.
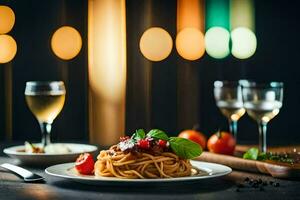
262,102
228,96
45,100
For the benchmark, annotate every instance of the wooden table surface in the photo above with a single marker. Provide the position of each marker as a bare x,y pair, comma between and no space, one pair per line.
12,187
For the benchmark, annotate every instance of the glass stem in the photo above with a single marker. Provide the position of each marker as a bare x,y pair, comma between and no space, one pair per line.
262,127
45,129
233,128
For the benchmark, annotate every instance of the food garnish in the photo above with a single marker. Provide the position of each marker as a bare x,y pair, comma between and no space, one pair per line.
157,141
85,164
254,154
221,142
30,148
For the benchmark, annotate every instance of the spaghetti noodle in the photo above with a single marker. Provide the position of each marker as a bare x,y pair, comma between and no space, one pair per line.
134,165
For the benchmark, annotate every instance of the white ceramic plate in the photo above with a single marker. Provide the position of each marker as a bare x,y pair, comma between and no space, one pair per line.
67,171
49,158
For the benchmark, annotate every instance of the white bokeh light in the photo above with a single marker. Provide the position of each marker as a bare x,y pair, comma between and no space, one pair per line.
217,42
244,43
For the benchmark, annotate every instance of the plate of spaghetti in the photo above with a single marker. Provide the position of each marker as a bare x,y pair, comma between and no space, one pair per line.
141,159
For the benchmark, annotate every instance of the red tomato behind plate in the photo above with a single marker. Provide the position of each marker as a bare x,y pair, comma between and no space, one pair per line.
85,164
195,136
221,142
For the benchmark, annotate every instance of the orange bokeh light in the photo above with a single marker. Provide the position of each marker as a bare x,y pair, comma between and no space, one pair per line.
190,43
66,42
156,44
7,19
190,13
8,48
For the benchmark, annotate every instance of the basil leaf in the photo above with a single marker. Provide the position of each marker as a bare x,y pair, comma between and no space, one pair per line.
139,134
157,134
185,148
251,154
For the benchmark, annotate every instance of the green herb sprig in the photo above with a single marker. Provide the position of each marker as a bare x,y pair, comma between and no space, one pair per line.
254,154
138,135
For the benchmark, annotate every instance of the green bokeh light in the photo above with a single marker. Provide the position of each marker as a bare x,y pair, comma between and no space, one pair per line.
217,42
217,14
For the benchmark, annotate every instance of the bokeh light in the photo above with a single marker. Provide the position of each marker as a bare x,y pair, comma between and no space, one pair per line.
217,42
243,43
7,19
66,42
156,44
190,43
8,47
217,13
242,14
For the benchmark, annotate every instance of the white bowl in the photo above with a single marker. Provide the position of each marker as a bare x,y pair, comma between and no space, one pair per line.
43,159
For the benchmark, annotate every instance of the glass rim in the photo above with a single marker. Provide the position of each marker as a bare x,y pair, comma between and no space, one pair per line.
272,84
226,83
44,83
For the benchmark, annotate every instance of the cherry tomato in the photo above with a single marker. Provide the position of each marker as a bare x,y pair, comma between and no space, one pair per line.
85,164
143,144
195,136
221,142
162,143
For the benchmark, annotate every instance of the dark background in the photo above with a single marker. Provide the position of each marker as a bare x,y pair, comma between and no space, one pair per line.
35,24
172,94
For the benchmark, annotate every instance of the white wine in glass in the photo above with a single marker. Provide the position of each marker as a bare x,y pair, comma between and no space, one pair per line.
262,102
263,111
45,100
228,96
233,110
